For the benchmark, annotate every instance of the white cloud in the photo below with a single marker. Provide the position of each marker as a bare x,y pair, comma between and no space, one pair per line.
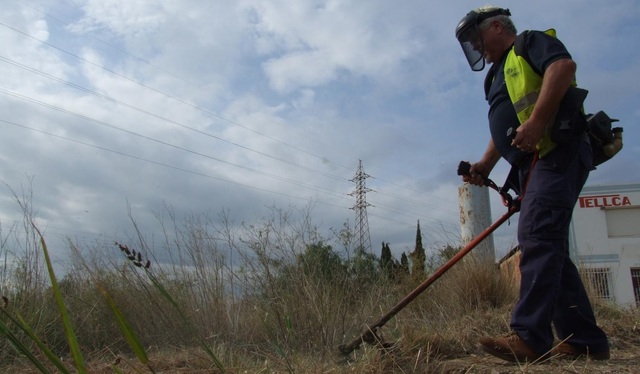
127,19
310,43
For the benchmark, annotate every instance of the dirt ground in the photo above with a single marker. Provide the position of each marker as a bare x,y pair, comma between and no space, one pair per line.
627,361
624,362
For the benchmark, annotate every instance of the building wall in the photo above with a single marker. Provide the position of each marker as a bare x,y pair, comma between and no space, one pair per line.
605,240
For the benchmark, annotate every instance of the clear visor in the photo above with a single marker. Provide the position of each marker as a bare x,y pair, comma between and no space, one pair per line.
472,46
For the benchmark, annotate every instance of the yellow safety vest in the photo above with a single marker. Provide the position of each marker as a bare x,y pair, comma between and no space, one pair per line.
523,84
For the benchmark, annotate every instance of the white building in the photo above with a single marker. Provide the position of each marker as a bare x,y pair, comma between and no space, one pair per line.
605,241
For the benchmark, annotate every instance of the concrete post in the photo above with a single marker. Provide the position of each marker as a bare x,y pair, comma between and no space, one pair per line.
475,217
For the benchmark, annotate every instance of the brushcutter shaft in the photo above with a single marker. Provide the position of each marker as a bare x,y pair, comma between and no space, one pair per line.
369,335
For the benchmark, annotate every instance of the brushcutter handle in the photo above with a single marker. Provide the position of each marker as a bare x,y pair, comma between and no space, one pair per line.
464,168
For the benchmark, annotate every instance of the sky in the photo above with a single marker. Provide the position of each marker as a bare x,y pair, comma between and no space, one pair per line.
111,108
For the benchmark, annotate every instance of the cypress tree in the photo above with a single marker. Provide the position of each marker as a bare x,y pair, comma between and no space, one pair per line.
418,257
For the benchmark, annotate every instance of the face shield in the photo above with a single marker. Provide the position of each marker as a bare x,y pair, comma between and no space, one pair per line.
469,35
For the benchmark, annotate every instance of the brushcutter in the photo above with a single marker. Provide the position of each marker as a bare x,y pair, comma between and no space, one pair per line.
370,334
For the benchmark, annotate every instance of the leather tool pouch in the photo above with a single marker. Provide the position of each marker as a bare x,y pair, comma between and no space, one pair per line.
570,119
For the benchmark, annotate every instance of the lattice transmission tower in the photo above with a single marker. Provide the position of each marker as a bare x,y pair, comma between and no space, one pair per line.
362,222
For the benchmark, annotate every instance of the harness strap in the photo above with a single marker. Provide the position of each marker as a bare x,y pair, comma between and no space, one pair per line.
513,183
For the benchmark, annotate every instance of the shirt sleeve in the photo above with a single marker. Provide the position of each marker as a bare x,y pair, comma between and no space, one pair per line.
544,49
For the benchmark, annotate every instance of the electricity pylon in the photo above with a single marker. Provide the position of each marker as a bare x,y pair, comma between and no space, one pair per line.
362,222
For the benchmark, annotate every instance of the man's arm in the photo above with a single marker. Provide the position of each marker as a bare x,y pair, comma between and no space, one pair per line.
555,82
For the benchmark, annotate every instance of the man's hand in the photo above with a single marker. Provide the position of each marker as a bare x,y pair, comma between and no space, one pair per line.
477,174
528,135
479,171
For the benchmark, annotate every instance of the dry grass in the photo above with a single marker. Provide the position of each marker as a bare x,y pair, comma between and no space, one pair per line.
275,297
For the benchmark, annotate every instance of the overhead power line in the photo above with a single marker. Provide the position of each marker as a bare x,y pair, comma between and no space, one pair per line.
322,158
102,123
161,163
155,90
180,124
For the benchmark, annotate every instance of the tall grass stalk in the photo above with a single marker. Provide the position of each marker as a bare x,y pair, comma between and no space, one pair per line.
136,259
62,310
24,326
125,328
185,320
21,348
64,313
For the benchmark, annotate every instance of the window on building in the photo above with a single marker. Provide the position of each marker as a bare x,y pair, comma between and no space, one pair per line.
635,279
622,222
597,280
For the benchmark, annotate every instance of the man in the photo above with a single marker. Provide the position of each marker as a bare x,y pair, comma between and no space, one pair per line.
524,95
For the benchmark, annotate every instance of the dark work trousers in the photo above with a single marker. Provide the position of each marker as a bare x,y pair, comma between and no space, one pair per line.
551,289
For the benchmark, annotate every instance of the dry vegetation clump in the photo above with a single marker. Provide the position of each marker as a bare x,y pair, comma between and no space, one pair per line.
270,297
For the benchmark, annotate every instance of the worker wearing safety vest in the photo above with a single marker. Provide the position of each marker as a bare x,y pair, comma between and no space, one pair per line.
524,96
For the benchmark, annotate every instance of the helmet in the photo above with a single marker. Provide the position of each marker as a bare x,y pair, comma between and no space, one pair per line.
468,34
